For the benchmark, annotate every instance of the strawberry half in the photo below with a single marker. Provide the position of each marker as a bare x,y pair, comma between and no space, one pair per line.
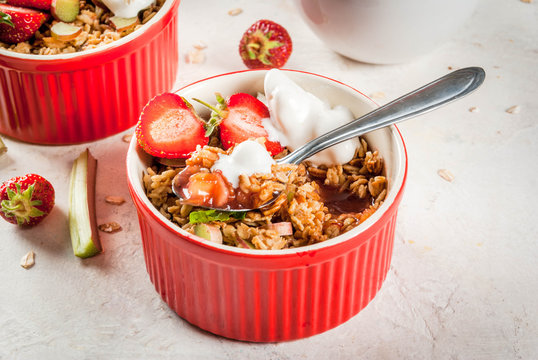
169,127
26,200
36,4
265,45
25,23
239,119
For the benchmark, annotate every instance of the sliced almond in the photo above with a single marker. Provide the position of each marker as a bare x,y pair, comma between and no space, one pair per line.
28,260
65,32
123,24
114,200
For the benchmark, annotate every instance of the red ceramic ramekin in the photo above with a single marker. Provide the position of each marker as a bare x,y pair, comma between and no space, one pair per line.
264,295
85,96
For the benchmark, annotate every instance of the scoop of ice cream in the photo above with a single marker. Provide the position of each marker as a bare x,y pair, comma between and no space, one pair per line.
126,8
298,116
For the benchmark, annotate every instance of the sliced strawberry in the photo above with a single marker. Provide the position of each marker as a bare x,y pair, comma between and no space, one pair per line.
244,121
265,45
36,4
239,119
25,23
169,127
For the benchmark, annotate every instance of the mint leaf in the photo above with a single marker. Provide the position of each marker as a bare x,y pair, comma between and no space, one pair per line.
205,216
6,19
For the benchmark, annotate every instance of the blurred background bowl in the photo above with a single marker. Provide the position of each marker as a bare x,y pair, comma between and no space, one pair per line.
384,31
92,94
271,295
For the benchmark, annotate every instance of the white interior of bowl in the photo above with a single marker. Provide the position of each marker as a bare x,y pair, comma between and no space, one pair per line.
388,141
165,8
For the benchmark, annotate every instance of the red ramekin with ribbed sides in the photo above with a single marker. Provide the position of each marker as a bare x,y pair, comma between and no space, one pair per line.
92,94
272,295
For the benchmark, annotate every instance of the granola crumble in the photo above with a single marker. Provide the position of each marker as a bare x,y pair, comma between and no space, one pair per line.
96,31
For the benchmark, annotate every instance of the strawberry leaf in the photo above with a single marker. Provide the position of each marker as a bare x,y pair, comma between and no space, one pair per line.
6,19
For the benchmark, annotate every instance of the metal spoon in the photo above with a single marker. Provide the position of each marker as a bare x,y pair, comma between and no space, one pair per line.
442,91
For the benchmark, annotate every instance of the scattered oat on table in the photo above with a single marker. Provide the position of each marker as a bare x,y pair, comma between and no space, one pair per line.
114,200
450,68
3,147
127,138
527,1
474,109
378,95
235,12
200,45
195,56
110,227
513,109
445,174
28,260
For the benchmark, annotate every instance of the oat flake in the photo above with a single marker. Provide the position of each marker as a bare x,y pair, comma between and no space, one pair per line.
127,138
474,109
445,174
110,227
114,200
235,12
195,56
28,260
513,109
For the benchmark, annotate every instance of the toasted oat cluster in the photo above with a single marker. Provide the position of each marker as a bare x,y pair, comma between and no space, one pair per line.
319,202
97,30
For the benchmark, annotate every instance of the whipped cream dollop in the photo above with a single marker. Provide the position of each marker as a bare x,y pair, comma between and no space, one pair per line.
127,8
298,116
248,157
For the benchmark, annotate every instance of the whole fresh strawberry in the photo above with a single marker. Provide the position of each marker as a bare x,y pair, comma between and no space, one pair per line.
36,4
169,127
24,23
265,45
26,200
240,118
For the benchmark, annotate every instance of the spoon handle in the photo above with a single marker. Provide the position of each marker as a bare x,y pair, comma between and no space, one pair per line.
429,97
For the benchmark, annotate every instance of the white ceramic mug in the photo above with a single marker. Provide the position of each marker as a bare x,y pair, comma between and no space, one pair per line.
384,31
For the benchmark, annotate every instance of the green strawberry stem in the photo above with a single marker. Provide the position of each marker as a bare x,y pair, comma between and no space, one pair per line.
218,113
259,45
20,204
6,19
